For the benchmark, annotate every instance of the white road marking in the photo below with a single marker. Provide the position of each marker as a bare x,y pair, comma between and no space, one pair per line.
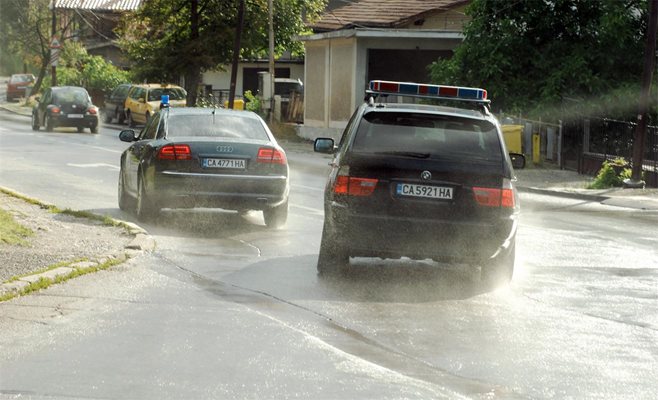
96,165
313,210
308,187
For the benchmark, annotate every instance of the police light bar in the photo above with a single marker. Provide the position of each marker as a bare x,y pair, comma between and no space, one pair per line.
428,91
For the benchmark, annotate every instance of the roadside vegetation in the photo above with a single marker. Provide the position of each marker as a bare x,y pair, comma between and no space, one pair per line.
11,232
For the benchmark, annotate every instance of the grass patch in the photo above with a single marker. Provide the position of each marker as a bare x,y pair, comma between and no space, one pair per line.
11,232
285,132
43,283
104,219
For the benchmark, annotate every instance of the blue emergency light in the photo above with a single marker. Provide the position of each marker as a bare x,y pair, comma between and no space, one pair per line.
164,101
428,91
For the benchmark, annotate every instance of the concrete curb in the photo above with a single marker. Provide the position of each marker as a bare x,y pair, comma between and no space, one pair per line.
558,193
141,243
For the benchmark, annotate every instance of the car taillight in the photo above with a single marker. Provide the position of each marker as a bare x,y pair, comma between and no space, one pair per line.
92,110
353,186
496,197
175,152
55,110
269,155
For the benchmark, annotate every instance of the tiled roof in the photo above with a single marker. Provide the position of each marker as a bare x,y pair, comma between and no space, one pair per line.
380,13
98,5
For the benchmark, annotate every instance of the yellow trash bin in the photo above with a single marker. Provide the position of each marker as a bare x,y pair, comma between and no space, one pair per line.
238,104
513,135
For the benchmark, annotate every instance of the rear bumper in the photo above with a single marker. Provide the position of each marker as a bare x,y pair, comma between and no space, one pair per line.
231,192
88,121
471,242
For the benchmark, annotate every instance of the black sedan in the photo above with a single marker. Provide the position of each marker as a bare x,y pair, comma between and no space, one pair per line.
115,104
65,106
203,157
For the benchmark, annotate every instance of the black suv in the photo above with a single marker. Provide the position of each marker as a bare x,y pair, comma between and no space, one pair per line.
421,181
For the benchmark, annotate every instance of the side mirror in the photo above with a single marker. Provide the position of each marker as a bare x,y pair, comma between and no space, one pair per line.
127,136
142,100
518,160
324,145
37,98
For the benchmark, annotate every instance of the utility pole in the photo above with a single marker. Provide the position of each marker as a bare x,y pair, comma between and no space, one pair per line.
647,74
270,16
54,52
236,54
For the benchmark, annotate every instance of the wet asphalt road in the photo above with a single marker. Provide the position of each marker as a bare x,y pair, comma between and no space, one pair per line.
226,308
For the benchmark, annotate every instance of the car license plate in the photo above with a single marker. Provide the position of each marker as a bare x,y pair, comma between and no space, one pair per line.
425,191
224,163
76,116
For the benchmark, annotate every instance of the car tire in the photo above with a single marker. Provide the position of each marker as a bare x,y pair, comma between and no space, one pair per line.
333,257
94,129
499,271
49,124
276,217
129,119
145,208
124,200
35,122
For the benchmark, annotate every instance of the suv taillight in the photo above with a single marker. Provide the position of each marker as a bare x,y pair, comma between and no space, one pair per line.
496,197
269,155
353,186
175,152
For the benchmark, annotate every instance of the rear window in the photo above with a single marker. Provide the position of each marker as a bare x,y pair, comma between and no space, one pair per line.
77,96
174,94
21,78
207,125
438,135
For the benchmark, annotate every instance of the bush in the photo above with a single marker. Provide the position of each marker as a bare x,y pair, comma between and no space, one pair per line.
611,174
252,102
94,73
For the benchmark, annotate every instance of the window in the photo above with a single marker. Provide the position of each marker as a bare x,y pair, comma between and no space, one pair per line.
440,135
229,126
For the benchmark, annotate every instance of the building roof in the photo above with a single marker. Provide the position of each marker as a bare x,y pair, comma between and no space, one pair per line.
98,5
380,13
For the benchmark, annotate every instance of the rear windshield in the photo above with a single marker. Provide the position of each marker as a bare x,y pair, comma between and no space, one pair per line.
434,135
174,94
20,78
77,96
229,126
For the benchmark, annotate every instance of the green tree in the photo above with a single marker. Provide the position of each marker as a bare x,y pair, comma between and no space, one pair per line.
167,39
26,32
539,55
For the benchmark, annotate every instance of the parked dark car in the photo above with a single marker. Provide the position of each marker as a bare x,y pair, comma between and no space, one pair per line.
65,106
202,157
115,104
17,85
421,181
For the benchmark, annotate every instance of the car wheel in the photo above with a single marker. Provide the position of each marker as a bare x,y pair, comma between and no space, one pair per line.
129,118
35,122
123,196
80,129
49,124
276,217
94,129
333,257
500,270
145,209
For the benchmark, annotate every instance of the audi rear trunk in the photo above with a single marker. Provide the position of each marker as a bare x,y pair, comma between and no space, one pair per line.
250,177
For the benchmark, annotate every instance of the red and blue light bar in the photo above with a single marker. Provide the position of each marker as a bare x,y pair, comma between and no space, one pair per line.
425,90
